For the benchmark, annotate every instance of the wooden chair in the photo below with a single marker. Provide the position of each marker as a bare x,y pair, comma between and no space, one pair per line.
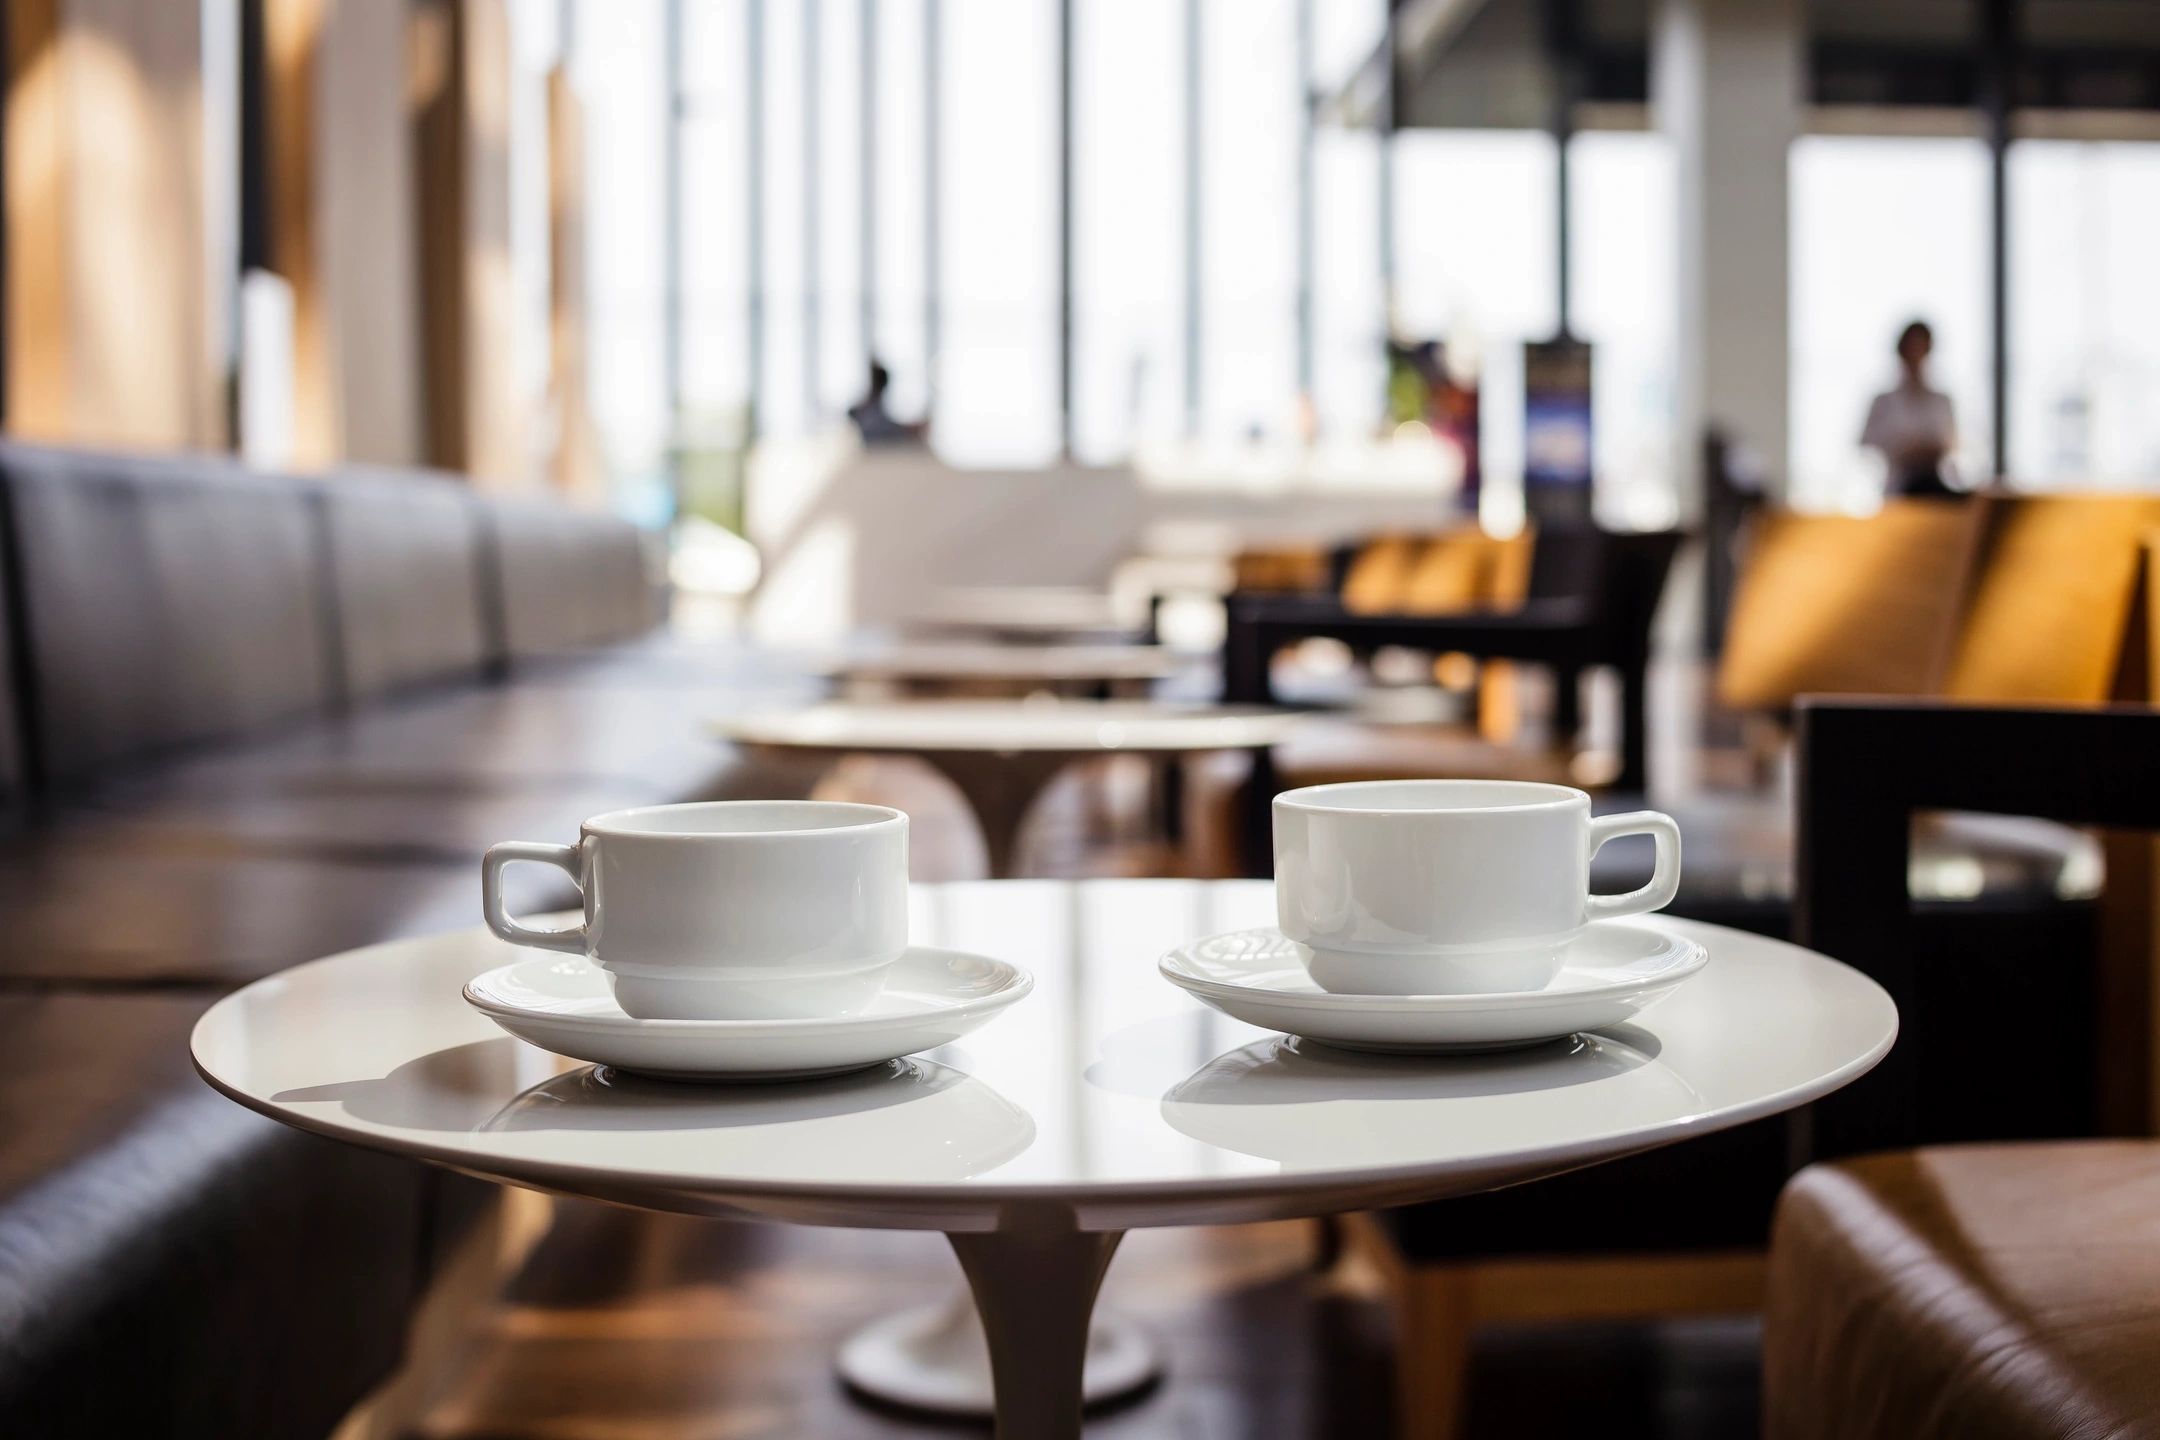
1848,605
1709,1257
1588,600
1943,1290
2051,602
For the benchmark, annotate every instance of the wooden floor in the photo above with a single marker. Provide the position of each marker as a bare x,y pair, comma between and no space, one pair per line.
627,1326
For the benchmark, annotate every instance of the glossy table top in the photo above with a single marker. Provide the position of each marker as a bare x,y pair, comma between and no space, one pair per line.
1047,609
1040,724
963,660
1107,1094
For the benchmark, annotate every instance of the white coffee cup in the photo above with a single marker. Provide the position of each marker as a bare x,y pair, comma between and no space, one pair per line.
729,909
1429,887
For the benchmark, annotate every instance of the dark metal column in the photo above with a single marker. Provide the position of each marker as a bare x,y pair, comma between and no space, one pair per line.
813,171
1194,139
1065,226
1563,51
1999,44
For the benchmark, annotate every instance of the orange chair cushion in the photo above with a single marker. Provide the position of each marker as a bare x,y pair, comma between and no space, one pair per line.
2051,604
1848,605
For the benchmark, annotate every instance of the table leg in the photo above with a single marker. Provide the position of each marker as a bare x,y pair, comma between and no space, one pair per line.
1035,1291
937,1357
1001,790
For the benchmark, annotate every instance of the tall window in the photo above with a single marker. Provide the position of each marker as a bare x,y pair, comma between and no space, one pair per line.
1129,198
997,394
1621,253
1475,221
1248,195
716,157
1349,300
1884,231
618,60
2084,299
902,331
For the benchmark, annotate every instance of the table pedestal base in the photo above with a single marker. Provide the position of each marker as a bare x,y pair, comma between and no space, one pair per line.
1035,1364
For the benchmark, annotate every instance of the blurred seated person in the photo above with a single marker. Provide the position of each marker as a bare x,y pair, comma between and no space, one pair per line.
874,422
1913,424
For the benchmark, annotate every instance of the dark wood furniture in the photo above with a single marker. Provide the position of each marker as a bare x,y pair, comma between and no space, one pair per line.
1684,1230
2006,1290
1591,598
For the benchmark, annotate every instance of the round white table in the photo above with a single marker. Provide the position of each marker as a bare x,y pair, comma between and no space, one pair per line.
1104,1101
1010,669
1002,754
1032,612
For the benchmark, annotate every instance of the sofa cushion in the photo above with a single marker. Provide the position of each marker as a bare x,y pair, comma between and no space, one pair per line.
167,602
406,585
567,580
1998,1292
171,1264
97,902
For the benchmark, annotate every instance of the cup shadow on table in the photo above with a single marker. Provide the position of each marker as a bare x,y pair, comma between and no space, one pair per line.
1155,1059
462,1089
1305,1105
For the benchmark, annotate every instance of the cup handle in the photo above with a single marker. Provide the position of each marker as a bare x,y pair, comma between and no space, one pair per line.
498,857
1664,876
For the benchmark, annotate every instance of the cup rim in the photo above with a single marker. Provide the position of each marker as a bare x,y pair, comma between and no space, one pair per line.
1310,798
865,818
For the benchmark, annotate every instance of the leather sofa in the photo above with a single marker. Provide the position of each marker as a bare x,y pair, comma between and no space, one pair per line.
246,720
1983,1292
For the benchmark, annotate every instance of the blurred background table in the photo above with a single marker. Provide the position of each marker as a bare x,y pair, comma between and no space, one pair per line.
1034,612
1009,669
1001,754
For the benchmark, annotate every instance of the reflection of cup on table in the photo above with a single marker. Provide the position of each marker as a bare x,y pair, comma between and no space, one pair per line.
729,910
1411,887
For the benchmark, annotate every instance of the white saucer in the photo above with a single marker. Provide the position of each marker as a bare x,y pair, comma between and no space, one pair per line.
1609,974
931,997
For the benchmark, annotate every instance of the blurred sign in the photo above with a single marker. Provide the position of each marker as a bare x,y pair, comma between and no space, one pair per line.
1556,428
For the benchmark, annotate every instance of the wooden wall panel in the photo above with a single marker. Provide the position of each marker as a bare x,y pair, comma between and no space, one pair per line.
475,421
40,364
365,241
292,44
574,468
116,328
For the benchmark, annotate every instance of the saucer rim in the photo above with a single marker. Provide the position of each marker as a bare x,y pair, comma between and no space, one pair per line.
1692,955
1016,984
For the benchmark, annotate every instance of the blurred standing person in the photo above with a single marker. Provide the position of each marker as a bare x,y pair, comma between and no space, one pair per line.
1912,424
874,422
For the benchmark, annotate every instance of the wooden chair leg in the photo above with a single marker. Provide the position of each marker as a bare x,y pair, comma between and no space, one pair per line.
1433,1323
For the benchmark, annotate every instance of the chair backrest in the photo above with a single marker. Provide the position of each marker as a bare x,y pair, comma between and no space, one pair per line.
166,602
406,581
1866,768
2051,602
1441,574
15,763
1631,572
1848,605
566,580
1282,570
